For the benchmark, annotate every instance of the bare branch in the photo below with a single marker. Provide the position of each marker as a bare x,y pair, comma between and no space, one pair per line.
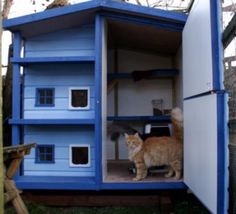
6,8
57,3
138,2
229,8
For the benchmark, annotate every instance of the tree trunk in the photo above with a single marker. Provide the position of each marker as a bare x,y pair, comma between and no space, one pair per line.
6,8
1,132
7,101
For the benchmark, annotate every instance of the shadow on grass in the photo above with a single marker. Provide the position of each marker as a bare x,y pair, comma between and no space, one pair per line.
189,206
39,209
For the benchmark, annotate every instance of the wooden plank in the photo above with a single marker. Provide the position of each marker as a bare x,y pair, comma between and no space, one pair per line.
52,121
30,60
161,118
148,74
17,202
10,195
11,171
62,43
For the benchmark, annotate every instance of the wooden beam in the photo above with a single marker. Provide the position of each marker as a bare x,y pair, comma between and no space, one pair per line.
10,195
229,32
116,98
11,171
229,8
17,202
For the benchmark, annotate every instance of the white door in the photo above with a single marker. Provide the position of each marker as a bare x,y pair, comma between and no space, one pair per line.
205,149
201,69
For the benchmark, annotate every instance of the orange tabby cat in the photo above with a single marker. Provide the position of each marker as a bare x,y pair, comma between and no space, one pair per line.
158,151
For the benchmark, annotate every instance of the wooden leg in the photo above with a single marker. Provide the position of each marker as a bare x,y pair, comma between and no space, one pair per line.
14,166
17,202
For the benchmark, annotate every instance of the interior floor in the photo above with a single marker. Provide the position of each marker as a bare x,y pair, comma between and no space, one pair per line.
118,171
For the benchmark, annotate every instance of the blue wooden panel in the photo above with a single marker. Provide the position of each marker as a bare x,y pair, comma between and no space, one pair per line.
61,77
59,104
59,165
74,81
60,91
59,68
61,137
70,68
61,53
58,173
59,114
61,152
60,130
60,140
56,182
65,59
85,31
46,122
71,42
59,45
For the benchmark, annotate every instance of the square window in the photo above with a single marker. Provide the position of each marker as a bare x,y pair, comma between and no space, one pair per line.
79,155
79,98
44,154
44,97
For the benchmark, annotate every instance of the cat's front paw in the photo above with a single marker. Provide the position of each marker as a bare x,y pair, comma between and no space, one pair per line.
168,175
136,179
177,176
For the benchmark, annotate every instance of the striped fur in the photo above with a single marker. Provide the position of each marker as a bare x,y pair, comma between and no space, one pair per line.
158,151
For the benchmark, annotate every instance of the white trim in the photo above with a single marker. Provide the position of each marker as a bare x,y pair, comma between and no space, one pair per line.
70,98
70,155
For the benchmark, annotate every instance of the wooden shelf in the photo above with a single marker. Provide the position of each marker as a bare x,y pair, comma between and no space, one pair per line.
152,74
161,118
30,60
52,121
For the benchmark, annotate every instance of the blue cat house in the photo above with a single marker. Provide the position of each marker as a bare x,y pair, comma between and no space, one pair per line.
76,65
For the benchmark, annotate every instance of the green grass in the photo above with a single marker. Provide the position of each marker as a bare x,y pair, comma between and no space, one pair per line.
38,209
191,206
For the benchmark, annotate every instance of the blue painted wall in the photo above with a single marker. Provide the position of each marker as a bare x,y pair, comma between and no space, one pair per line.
61,77
61,137
69,42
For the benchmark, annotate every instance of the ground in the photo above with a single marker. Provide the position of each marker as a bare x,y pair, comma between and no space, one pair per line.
184,204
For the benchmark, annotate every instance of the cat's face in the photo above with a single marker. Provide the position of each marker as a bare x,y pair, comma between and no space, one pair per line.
133,141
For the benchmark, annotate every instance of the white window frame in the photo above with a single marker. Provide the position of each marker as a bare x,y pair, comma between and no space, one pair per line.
70,155
70,98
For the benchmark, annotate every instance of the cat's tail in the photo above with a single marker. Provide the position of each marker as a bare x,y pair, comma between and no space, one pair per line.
177,122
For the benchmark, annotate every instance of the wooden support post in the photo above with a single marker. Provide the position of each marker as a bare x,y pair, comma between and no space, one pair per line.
116,100
14,165
13,155
9,196
16,201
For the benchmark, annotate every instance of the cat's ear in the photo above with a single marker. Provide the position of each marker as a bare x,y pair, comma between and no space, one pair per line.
136,135
126,135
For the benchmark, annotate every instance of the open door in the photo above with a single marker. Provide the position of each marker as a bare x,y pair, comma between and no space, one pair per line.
205,149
